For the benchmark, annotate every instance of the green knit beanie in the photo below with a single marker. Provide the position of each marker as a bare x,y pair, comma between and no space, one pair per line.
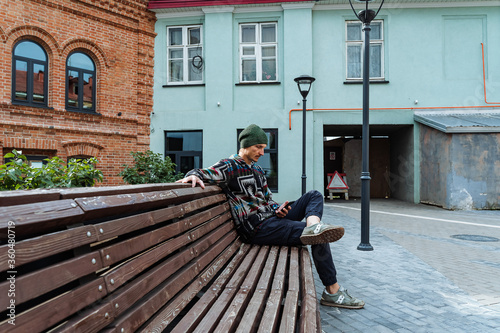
252,135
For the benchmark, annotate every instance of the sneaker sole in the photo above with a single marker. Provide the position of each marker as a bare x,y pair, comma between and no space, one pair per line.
344,306
326,236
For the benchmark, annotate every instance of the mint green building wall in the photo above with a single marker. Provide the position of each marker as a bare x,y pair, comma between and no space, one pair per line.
432,58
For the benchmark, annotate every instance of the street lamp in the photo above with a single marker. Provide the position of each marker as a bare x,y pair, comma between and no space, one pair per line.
366,16
304,83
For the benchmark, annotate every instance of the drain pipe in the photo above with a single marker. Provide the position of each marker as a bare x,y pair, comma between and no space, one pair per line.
484,78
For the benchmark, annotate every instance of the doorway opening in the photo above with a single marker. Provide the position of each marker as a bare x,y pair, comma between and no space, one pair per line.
391,159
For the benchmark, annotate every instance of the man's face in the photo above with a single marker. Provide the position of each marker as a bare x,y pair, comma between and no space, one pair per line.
253,153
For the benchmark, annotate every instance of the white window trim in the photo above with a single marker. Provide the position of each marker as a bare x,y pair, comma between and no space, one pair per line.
258,45
185,47
372,42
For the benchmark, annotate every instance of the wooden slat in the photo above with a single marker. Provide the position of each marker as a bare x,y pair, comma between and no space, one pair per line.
196,204
91,320
234,313
212,317
57,309
191,193
251,317
37,218
164,317
43,246
309,304
22,197
270,318
42,281
289,318
205,303
102,206
82,192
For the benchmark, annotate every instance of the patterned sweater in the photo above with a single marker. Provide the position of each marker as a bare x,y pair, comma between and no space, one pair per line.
247,191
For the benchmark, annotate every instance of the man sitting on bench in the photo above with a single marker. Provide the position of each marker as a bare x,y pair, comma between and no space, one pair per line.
260,220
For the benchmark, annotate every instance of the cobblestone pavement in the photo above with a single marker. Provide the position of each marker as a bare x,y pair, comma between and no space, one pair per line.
418,278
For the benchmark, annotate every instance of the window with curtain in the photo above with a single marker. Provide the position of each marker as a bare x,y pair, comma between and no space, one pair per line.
185,54
29,73
268,162
259,52
80,83
354,50
185,149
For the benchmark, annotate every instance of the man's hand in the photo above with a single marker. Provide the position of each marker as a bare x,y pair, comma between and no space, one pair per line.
282,211
193,180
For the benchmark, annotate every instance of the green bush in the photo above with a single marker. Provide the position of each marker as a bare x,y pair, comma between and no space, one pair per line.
17,174
149,168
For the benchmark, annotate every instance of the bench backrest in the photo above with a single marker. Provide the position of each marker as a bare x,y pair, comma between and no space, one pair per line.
148,258
106,258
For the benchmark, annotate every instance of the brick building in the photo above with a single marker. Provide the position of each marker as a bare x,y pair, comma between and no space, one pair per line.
76,80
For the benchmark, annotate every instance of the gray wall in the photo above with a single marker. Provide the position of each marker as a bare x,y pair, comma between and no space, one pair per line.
402,169
460,171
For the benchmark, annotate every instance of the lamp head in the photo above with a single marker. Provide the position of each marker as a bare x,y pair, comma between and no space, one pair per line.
304,83
366,16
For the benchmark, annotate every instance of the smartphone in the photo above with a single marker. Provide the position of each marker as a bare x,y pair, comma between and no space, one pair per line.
285,204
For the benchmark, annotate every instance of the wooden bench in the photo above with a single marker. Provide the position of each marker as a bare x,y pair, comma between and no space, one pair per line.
146,258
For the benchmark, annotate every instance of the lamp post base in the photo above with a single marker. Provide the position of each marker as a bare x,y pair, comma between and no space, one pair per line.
365,247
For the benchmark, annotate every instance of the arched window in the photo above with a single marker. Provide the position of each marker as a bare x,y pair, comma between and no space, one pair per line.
29,72
80,83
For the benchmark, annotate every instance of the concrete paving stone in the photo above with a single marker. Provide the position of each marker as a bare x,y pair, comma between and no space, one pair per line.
360,327
412,306
431,312
332,329
403,330
412,313
337,324
381,329
386,322
485,321
414,279
392,311
369,313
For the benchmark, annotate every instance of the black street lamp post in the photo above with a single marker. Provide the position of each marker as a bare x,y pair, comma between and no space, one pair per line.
366,16
304,83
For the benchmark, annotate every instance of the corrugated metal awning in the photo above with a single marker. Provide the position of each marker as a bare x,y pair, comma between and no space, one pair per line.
477,121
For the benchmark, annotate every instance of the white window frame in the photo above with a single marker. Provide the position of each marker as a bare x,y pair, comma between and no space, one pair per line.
360,42
258,45
186,60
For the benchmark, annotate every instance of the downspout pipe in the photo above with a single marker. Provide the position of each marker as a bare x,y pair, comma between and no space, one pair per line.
484,78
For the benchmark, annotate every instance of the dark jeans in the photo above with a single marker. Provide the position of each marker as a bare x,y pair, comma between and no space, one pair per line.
286,231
